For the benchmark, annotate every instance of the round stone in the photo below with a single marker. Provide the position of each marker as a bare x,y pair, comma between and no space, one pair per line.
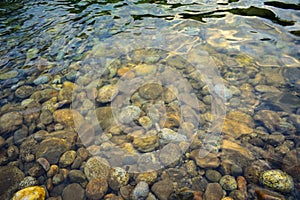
140,191
213,175
118,177
10,122
67,158
68,117
151,91
228,183
107,93
24,91
73,191
35,192
42,79
96,167
129,113
96,188
277,180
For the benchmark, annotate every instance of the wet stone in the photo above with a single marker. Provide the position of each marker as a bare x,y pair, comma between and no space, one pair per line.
118,177
2,142
9,75
146,143
169,136
24,91
20,135
148,177
35,192
107,93
150,91
67,158
73,191
213,175
10,122
129,113
27,182
52,149
140,191
44,163
42,79
228,183
277,180
68,117
270,119
105,117
77,176
96,167
96,188
213,191
10,177
170,154
205,159
163,189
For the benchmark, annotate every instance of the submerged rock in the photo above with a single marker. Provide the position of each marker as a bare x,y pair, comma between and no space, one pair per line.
140,191
96,188
228,183
10,177
35,192
96,167
10,122
277,180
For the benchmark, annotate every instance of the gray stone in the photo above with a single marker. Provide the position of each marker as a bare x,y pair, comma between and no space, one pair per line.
96,167
10,177
76,176
140,191
213,191
20,135
42,79
73,192
167,135
24,91
10,122
163,189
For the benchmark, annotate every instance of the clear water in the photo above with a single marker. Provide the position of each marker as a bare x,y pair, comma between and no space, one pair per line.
246,54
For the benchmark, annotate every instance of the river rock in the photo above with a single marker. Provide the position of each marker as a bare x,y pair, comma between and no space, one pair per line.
10,122
34,192
24,91
129,113
147,142
73,191
9,75
96,188
277,180
96,167
66,93
28,181
144,69
10,177
150,91
105,117
167,135
68,117
213,175
52,149
169,154
291,163
213,191
269,118
42,79
228,183
44,95
163,189
107,93
76,176
140,191
118,177
209,160
20,135
67,158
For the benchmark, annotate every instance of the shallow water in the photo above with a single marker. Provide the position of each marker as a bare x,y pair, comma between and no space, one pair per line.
175,87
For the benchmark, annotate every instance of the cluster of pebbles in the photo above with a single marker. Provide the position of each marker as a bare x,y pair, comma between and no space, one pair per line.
138,131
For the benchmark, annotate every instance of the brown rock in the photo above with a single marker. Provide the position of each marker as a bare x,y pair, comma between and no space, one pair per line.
73,192
213,191
163,189
105,117
10,122
96,188
210,160
68,117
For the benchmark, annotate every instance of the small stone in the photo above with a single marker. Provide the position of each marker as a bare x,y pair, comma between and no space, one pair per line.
167,135
9,75
52,148
10,122
96,188
2,142
67,158
277,180
73,191
163,189
68,117
27,182
228,183
213,191
264,194
237,195
140,191
269,118
76,176
150,91
213,175
145,122
52,171
169,154
42,79
12,152
208,160
57,179
10,177
24,91
107,93
266,89
44,163
46,117
20,135
129,113
144,69
96,167
105,117
35,192
147,142
66,93
148,177
118,177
